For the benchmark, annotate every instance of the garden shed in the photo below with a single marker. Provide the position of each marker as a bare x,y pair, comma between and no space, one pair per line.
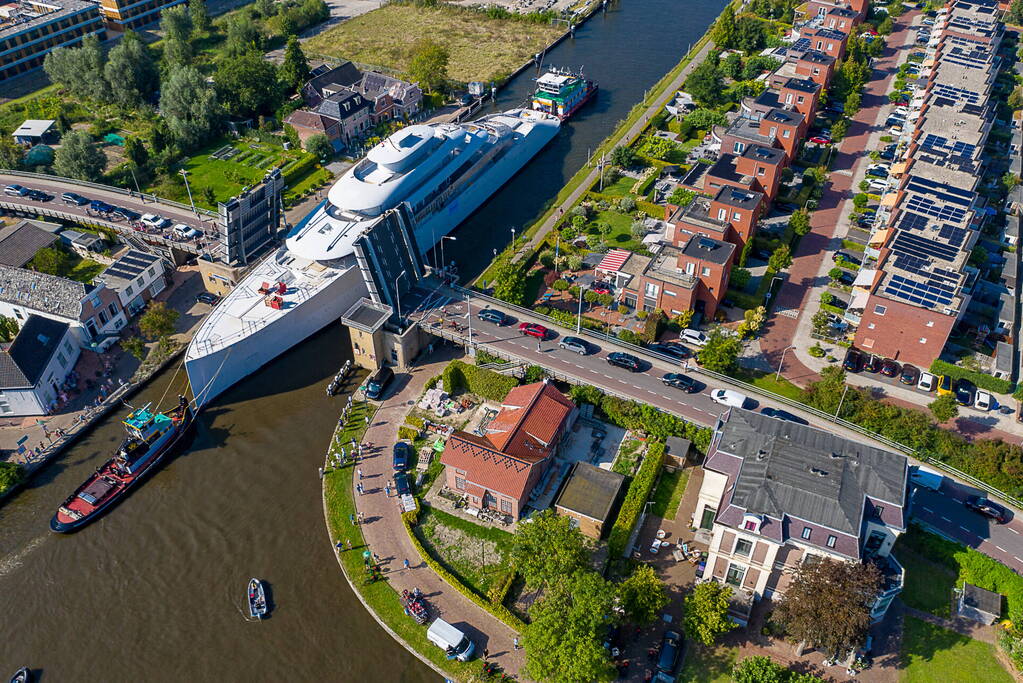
979,605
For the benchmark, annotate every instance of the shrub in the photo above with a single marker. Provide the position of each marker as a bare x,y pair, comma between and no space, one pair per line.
11,474
432,382
408,433
499,591
487,384
626,204
638,494
740,278
416,422
999,386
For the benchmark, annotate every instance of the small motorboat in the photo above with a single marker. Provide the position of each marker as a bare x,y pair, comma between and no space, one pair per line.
22,675
257,599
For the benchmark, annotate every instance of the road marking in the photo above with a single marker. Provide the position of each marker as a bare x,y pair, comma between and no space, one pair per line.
927,509
621,380
945,518
1018,558
651,392
1012,530
964,528
1000,548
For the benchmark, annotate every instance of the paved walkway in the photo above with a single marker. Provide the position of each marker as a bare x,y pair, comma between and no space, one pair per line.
384,531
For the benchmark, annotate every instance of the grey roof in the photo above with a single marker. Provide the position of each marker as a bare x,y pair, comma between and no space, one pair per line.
347,75
20,242
742,199
22,365
342,105
1004,357
982,600
590,491
46,293
1012,225
794,470
34,128
125,269
709,249
677,447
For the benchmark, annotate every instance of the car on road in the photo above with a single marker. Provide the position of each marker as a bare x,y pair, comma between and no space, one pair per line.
401,456
126,214
680,381
729,397
779,414
207,298
927,382
624,360
873,363
100,206
401,484
966,392
15,191
890,368
694,337
671,653
185,232
984,400
156,221
576,344
533,330
988,508
853,361
39,196
491,315
944,385
73,198
910,375
377,383
673,349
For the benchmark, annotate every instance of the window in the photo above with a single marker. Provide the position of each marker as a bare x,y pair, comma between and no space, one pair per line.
707,518
820,44
774,131
722,214
930,323
786,134
705,272
506,507
878,511
113,310
103,318
750,526
128,291
761,170
870,326
651,290
800,99
831,46
831,541
923,340
94,300
690,268
739,147
459,483
806,532
735,574
67,346
788,98
816,71
879,309
736,216
62,359
743,547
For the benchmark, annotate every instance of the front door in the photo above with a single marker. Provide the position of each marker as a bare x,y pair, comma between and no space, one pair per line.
707,520
488,500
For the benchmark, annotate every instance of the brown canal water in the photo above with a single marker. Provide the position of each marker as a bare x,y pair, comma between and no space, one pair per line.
155,591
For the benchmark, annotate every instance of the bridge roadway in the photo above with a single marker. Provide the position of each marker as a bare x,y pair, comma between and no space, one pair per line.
444,315
202,220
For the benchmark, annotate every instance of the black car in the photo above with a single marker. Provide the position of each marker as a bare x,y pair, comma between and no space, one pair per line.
126,214
680,381
987,508
74,198
624,360
853,361
574,344
910,375
402,456
890,368
100,206
965,392
671,652
401,484
491,315
377,382
207,298
778,414
888,153
873,364
673,349
39,196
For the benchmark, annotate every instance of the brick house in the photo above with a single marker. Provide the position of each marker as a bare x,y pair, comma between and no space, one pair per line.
817,66
821,8
800,94
309,123
589,497
787,128
826,40
390,98
841,19
500,468
758,168
352,112
776,494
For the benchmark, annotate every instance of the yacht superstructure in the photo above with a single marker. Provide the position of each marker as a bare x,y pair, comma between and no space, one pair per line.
441,173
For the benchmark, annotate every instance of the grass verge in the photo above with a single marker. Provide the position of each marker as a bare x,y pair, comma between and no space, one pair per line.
476,555
932,654
708,664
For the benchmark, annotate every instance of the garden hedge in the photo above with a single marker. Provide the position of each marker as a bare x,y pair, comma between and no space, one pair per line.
636,497
487,384
999,386
640,417
299,169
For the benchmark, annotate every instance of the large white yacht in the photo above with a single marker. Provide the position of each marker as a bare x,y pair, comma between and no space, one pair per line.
440,172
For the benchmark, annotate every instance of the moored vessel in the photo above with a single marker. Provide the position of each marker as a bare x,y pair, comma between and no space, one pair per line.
562,92
151,436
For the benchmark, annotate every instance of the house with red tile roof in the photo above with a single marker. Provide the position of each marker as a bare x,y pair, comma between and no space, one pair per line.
500,467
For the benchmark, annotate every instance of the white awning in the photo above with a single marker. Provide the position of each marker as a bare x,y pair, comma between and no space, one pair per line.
859,300
865,277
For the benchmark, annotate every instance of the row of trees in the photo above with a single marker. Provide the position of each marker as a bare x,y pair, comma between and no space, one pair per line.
706,83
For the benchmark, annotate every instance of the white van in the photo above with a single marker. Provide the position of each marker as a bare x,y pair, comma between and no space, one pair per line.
728,397
451,640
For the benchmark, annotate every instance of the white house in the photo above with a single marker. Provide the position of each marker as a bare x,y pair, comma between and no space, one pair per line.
33,368
136,277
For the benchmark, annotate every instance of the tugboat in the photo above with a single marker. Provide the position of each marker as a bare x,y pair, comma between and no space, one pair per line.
562,91
257,599
151,436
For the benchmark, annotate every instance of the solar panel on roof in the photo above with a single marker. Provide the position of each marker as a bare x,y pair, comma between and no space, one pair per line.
952,234
801,44
918,246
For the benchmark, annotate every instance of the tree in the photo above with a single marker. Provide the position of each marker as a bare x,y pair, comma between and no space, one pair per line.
265,8
176,23
1010,180
721,352
190,107
548,549
725,31
853,102
136,152
705,612
643,595
79,70
739,278
248,85
78,157
158,321
886,26
563,640
1015,99
11,153
11,474
820,322
705,119
759,669
731,66
705,84
200,17
623,156
243,35
52,261
294,70
780,259
131,71
835,273
799,221
319,146
944,408
828,604
428,65
510,284
8,328
680,196
839,129
136,346
826,393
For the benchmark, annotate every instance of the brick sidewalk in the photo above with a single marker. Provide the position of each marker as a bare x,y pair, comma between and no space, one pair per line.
385,534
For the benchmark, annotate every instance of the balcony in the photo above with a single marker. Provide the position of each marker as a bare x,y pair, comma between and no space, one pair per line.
893,577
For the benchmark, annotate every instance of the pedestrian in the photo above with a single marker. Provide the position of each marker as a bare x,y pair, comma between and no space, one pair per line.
340,546
387,489
353,444
367,420
358,487
406,563
538,345
321,473
360,450
486,654
360,473
351,519
343,453
349,544
362,517
376,558
515,643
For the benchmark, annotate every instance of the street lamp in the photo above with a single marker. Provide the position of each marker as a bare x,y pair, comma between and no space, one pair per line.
777,375
397,296
841,401
579,315
184,174
443,261
513,237
468,316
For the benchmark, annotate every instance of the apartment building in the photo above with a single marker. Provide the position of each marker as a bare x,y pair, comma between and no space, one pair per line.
31,29
801,94
137,277
777,494
758,168
122,15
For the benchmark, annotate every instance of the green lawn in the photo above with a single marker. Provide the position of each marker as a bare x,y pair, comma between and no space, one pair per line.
620,236
475,554
620,188
668,494
707,665
85,270
931,654
928,587
767,382
312,180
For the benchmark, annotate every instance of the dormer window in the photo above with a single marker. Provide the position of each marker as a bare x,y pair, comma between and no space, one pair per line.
752,523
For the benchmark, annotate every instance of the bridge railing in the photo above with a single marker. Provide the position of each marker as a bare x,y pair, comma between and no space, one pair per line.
107,188
731,381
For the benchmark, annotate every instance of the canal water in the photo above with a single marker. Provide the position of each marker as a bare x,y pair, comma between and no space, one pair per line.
155,590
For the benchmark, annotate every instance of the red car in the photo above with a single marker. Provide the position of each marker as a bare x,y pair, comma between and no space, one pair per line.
820,140
601,287
533,330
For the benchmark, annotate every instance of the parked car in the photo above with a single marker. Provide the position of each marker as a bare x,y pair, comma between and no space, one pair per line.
927,382
533,330
879,173
673,349
853,361
888,153
966,392
984,401
910,375
624,360
100,206
845,256
779,414
575,344
694,337
820,140
729,397
15,191
378,381
491,315
872,364
988,508
401,484
74,198
155,221
207,298
671,652
944,385
185,232
877,186
890,368
401,456
39,196
126,214
601,287
680,381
